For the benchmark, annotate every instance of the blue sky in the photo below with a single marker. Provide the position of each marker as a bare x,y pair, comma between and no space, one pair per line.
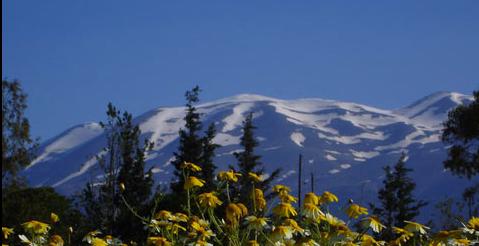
73,57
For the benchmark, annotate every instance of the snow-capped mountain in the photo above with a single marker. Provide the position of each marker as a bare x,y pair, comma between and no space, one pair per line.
344,144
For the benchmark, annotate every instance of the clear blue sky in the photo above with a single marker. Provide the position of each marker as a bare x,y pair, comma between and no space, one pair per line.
73,57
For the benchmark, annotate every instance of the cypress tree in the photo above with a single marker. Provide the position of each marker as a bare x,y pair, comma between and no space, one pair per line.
248,162
397,200
207,162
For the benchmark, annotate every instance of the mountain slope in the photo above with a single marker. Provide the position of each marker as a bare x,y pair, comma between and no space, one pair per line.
344,144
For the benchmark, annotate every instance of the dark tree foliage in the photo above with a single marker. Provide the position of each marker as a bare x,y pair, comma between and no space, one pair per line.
471,200
17,145
461,129
397,200
24,204
123,163
194,148
248,162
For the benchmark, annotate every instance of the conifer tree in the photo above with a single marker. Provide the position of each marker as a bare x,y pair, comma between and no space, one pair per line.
248,162
461,129
123,163
397,200
17,145
194,148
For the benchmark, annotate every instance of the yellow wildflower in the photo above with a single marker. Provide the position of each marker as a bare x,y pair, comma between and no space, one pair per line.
54,217
281,233
209,200
284,210
193,181
285,197
229,176
311,211
367,240
98,242
56,240
260,203
281,189
311,198
163,215
179,217
252,243
415,227
461,241
233,213
256,223
328,197
354,211
36,227
255,177
190,166
158,241
6,232
374,223
473,223
294,225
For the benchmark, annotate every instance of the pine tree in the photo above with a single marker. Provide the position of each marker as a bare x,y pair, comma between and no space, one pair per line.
194,148
17,145
207,155
123,163
190,147
248,162
397,200
461,129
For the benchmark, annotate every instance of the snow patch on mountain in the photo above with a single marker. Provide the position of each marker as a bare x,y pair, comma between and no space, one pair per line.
298,138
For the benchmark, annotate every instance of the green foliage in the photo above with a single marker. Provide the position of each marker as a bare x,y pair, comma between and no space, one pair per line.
123,163
24,204
248,162
397,200
194,148
461,129
17,145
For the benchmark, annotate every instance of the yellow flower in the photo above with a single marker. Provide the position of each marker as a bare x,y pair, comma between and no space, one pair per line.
6,232
179,217
229,176
367,240
311,211
284,210
374,223
157,241
473,223
252,243
332,221
260,203
415,227
122,186
281,189
311,198
281,233
462,241
193,181
190,166
56,240
233,213
328,197
256,223
54,218
36,227
285,197
354,211
209,200
98,242
163,215
255,177
294,225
